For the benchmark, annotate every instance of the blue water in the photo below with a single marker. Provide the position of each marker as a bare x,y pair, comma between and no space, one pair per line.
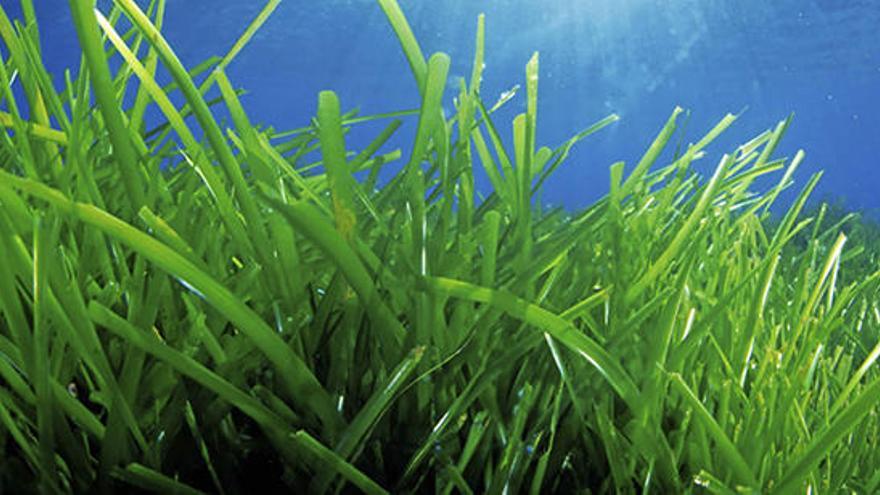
639,58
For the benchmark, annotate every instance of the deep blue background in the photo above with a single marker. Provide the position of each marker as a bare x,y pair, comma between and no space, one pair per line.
639,58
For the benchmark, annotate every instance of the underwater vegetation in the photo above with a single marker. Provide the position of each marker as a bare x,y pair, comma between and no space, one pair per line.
206,305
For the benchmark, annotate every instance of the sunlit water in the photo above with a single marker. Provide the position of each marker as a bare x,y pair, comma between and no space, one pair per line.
638,58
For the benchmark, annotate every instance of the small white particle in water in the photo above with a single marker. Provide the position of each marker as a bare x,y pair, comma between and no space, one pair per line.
506,95
829,97
701,481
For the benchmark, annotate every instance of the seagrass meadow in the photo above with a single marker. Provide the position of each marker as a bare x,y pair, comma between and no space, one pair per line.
194,303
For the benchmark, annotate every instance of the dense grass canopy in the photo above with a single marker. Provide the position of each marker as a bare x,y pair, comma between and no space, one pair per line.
201,304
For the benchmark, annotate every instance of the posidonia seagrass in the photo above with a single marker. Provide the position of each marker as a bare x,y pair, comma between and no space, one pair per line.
188,308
